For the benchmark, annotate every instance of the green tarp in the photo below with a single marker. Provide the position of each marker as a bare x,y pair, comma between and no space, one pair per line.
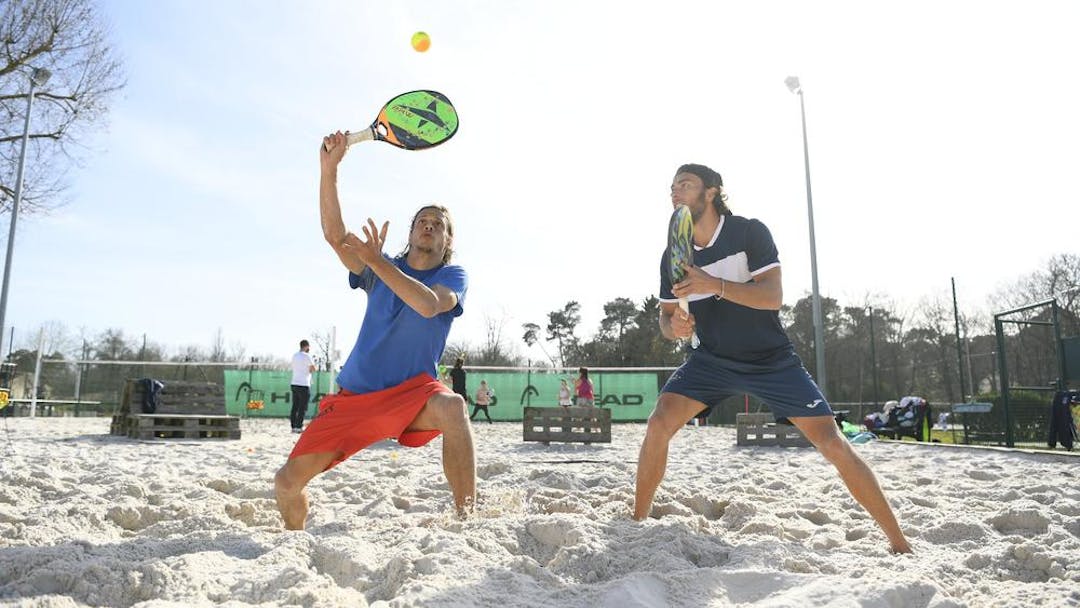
629,395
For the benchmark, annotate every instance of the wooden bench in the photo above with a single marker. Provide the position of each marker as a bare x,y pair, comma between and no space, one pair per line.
567,424
759,429
185,410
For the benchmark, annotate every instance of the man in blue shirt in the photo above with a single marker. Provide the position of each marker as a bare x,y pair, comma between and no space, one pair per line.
388,384
734,291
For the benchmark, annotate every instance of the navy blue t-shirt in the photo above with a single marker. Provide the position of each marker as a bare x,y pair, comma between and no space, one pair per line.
740,249
396,342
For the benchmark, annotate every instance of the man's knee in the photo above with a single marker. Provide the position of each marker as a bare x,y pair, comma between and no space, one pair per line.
830,443
452,404
665,421
450,410
284,483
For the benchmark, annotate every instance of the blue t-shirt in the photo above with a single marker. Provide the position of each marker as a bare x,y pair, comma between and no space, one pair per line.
740,249
397,343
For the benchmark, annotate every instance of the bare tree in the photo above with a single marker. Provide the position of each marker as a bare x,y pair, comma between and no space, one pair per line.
493,351
217,347
188,353
67,38
56,337
321,341
237,351
454,350
1059,279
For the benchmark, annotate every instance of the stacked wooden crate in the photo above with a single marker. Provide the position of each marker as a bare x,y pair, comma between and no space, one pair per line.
185,410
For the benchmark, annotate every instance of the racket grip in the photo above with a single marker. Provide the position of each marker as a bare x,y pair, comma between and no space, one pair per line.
355,138
367,134
684,304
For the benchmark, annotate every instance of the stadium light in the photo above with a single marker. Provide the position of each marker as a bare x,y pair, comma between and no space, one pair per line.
795,87
38,78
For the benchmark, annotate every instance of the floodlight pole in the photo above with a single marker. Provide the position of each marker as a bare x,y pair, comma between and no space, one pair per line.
794,86
38,77
873,356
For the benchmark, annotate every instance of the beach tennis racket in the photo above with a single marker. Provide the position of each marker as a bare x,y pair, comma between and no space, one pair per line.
681,252
416,120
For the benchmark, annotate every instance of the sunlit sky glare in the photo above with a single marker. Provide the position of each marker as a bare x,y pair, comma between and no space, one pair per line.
943,140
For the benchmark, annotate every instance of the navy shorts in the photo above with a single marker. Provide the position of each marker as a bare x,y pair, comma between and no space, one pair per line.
782,383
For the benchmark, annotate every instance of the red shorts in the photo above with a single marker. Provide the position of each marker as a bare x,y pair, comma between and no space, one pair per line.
348,422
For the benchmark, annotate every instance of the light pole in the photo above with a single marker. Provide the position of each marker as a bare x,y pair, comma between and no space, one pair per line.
38,77
873,356
793,85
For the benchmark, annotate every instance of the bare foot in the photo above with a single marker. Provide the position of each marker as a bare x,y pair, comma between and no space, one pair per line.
467,508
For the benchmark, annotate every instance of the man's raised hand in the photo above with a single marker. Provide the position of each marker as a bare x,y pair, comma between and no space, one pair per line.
369,250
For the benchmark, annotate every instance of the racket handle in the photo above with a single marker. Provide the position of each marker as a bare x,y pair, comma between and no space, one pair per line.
355,138
684,304
367,134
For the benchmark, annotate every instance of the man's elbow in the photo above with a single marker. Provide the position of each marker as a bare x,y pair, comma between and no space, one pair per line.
777,301
335,238
438,304
428,310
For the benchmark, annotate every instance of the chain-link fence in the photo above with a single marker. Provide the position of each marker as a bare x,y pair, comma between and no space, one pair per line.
91,388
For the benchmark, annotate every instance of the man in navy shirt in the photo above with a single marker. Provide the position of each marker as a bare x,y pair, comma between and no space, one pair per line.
734,291
388,383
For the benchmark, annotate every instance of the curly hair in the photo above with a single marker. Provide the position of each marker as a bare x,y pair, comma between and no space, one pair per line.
711,179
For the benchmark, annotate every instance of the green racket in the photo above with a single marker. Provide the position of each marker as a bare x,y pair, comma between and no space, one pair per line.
416,120
681,252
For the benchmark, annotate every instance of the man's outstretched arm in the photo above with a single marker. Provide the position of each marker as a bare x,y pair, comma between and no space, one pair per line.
331,152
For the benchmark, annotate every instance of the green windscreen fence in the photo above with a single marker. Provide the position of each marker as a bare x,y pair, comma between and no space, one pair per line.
629,395
1071,350
272,388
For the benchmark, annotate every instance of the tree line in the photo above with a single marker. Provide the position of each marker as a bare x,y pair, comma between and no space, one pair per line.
874,349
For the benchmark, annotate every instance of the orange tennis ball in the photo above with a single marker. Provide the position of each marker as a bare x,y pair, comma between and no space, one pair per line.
421,42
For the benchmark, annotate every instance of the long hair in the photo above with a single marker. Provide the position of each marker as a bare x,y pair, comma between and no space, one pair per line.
449,230
720,201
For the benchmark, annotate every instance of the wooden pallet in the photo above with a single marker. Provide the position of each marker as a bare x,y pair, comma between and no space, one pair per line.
177,397
119,425
759,429
175,426
567,424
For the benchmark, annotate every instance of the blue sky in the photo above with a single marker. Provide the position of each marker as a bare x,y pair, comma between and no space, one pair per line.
943,143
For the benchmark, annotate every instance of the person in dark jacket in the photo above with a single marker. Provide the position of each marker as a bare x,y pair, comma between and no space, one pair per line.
457,377
1062,428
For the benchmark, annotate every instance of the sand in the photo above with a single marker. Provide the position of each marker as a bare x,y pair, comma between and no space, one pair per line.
91,519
